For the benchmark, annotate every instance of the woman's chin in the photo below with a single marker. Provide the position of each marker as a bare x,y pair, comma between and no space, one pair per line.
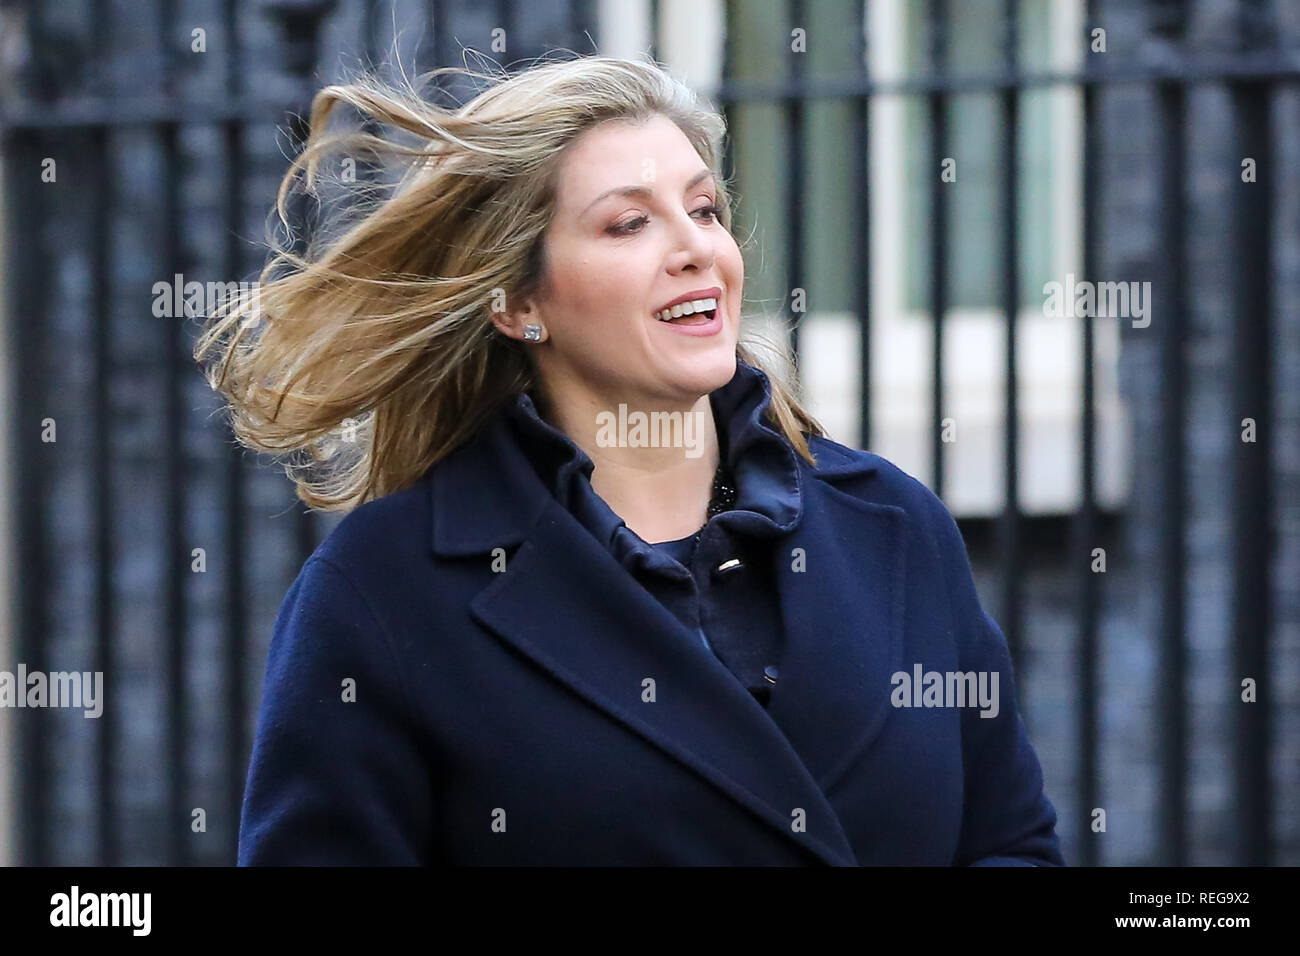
704,373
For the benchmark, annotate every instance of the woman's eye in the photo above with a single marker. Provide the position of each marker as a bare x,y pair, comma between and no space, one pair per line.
625,228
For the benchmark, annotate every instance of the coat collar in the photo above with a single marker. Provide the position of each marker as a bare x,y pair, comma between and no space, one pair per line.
762,462
840,569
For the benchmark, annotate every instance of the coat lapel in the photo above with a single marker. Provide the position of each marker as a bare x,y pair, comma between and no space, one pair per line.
841,577
597,631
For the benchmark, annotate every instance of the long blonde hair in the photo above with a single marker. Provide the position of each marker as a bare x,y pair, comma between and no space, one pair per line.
368,356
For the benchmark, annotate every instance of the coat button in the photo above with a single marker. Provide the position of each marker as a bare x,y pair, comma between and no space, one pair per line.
729,565
771,672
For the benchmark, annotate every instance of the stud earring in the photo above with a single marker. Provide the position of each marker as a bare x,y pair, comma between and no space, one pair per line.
532,333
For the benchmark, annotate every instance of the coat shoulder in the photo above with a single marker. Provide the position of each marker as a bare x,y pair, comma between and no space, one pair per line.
875,478
381,535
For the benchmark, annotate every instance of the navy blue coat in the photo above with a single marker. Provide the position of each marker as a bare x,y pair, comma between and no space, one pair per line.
422,706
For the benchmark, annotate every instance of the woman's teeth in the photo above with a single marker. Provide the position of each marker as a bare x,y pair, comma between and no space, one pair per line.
688,308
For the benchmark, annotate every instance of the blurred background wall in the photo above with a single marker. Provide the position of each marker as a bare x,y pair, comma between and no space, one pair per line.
896,162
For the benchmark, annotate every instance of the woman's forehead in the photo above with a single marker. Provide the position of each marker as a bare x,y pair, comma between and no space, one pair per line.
620,156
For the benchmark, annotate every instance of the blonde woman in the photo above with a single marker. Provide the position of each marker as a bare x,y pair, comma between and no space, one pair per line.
605,593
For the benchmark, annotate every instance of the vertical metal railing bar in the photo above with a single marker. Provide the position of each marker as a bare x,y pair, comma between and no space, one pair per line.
505,19
299,26
580,26
101,217
862,226
1084,522
1009,557
727,106
108,842
177,557
27,284
1253,348
370,32
938,124
238,740
510,21
1173,512
438,16
655,37
794,190
236,511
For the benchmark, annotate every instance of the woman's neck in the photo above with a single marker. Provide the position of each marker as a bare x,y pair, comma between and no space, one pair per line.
654,463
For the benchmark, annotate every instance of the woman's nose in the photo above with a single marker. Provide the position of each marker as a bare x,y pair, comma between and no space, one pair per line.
694,246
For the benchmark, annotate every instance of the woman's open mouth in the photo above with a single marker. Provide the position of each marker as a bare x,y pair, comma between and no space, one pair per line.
695,312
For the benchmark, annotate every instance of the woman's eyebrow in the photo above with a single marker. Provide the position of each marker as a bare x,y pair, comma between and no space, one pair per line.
644,190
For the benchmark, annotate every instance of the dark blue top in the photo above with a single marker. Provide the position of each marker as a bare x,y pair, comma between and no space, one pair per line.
719,581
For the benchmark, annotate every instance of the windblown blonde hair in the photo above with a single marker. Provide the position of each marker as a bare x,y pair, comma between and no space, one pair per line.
369,354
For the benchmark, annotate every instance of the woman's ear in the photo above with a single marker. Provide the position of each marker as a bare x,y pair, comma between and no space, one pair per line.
520,322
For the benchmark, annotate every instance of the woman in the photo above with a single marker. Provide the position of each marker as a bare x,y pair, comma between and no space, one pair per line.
548,632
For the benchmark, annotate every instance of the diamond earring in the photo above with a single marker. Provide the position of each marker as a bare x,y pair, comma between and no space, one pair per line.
532,333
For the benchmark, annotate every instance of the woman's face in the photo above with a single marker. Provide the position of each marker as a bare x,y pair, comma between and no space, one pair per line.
616,258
